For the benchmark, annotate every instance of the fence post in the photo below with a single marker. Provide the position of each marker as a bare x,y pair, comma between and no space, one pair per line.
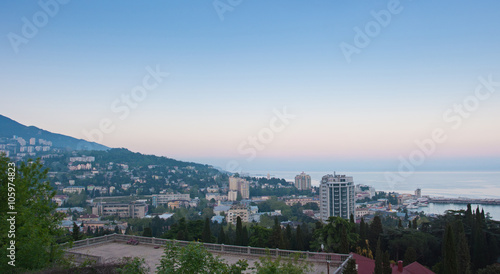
87,241
222,247
249,249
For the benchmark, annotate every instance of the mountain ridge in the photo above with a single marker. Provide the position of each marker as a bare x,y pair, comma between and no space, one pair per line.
10,128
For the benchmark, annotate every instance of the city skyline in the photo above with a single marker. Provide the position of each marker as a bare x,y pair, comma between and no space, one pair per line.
348,86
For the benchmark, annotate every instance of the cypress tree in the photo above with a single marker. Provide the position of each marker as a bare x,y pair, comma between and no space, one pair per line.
468,216
299,238
362,230
222,237
374,232
415,225
378,259
76,232
117,231
463,254
352,223
276,240
244,238
400,224
449,252
288,237
387,263
206,235
479,245
239,232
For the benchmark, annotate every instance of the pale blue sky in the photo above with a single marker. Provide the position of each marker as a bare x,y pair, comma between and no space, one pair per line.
227,76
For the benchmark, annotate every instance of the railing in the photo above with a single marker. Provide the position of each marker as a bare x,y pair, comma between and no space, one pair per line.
334,258
80,258
341,267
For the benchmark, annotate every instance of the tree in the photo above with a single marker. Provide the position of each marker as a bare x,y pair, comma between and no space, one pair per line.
299,239
350,267
134,265
463,254
206,236
182,233
260,236
147,232
375,231
387,263
362,230
194,258
400,224
276,240
222,237
468,216
415,225
269,265
287,239
378,259
117,230
449,252
36,225
75,234
244,237
410,256
344,242
239,231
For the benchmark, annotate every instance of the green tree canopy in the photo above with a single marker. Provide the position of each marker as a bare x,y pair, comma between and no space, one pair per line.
36,224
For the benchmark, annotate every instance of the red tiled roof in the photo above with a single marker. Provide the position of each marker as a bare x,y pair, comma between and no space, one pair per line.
365,265
413,268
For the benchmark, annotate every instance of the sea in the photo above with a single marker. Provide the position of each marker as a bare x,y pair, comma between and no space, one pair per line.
476,185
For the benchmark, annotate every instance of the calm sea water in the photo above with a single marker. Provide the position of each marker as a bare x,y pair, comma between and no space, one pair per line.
435,184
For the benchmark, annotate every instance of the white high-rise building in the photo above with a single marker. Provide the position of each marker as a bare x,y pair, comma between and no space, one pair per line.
337,196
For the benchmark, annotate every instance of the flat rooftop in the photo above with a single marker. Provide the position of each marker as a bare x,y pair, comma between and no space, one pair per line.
114,251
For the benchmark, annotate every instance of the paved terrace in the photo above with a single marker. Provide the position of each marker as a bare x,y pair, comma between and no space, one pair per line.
113,247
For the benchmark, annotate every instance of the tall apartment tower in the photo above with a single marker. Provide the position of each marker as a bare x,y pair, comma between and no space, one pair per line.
303,181
418,193
336,196
240,185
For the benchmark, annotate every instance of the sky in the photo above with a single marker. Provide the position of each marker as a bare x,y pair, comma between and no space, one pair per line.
262,85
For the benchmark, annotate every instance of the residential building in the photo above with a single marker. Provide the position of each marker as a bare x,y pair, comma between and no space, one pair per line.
337,196
163,199
238,210
303,181
302,201
232,195
221,209
130,210
240,185
73,189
